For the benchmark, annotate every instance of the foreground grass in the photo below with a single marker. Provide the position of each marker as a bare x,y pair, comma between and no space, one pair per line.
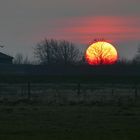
69,122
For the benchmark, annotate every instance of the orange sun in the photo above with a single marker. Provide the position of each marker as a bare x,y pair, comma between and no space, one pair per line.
101,52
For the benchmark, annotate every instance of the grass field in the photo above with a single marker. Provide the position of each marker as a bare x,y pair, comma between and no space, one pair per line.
106,108
75,122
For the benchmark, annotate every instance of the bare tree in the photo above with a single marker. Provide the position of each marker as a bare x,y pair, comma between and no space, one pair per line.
136,59
26,60
56,52
20,59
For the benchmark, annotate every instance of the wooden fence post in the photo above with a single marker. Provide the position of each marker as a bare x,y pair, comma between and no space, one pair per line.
135,92
29,90
78,89
112,89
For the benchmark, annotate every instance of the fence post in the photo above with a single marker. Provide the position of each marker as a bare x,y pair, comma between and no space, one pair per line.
29,90
112,89
78,89
135,92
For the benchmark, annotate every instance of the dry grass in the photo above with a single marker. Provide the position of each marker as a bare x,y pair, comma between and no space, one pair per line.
69,122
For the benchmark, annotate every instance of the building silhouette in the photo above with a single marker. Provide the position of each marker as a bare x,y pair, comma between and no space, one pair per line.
5,59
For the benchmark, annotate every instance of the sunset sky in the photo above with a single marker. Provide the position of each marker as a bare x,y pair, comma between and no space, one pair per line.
25,22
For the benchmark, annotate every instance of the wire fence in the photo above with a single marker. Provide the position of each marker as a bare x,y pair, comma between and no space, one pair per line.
70,93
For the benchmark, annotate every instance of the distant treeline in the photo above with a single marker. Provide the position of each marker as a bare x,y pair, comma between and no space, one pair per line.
62,52
81,69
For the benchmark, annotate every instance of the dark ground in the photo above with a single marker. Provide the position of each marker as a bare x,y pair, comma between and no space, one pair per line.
69,122
77,122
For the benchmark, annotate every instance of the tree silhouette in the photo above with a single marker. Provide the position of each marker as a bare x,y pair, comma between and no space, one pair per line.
51,51
20,59
136,59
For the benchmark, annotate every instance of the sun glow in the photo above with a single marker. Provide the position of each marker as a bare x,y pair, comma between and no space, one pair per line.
101,53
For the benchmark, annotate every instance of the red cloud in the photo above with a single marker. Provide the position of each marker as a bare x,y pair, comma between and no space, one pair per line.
85,29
